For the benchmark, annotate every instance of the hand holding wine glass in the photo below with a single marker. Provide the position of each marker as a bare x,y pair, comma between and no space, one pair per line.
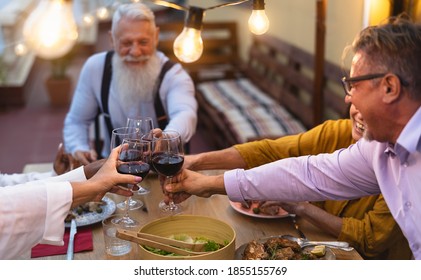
134,159
117,136
167,159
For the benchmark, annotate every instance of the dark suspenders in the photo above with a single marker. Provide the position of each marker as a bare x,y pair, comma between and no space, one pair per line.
105,92
159,109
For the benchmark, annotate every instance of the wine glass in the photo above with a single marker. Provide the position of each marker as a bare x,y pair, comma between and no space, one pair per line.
143,126
117,136
134,159
168,159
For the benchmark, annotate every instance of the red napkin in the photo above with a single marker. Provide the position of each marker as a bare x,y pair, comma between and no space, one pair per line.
83,242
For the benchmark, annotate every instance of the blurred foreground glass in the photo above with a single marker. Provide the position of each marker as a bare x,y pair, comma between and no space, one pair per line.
114,246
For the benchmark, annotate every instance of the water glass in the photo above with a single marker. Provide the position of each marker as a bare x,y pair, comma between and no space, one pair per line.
114,246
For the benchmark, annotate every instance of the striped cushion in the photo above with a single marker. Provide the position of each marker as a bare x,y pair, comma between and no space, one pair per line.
249,112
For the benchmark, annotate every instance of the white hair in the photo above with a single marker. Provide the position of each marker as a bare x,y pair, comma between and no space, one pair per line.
132,11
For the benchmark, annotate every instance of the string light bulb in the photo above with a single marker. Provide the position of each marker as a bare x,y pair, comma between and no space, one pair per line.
188,46
50,31
258,21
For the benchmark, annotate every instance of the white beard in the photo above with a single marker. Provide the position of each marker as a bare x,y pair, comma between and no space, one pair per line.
134,84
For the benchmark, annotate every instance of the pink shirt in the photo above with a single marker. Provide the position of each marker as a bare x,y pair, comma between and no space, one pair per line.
364,168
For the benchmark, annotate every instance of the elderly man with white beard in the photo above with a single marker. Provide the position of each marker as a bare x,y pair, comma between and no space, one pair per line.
133,87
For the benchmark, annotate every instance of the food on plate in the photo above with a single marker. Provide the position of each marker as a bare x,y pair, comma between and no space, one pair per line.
262,207
277,248
255,251
92,206
319,250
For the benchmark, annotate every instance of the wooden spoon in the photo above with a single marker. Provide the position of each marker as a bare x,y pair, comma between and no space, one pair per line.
197,247
132,236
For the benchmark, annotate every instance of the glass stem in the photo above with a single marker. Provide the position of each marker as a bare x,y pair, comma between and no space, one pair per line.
127,208
171,204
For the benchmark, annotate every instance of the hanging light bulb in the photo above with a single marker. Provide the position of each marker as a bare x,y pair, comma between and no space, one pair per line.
188,46
50,31
258,21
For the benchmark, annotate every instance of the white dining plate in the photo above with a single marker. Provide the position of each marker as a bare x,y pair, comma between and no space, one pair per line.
328,256
89,218
249,212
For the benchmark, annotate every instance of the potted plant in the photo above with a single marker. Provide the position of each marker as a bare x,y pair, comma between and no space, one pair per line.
59,83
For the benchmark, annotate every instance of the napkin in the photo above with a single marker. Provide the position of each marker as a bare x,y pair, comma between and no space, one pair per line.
83,242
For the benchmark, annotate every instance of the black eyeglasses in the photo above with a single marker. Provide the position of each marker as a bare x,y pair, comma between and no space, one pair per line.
347,82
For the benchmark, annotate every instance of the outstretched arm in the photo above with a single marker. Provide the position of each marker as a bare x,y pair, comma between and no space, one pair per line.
228,158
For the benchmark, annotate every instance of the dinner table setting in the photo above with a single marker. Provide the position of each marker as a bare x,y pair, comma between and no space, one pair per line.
84,235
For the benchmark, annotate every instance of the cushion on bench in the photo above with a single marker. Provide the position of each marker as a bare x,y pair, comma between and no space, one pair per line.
248,112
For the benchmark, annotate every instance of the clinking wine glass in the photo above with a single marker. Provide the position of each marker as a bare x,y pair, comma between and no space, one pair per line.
168,159
117,136
134,159
144,127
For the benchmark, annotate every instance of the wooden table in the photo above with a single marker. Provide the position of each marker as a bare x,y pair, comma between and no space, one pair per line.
246,227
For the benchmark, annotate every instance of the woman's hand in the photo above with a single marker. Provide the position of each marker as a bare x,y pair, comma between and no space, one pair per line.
107,179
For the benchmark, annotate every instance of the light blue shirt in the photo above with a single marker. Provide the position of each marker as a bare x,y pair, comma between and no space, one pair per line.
364,168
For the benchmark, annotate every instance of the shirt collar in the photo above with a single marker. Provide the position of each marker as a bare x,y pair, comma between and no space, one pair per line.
410,137
409,141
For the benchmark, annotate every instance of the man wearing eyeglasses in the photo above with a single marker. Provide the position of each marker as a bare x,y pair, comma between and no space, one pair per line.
385,86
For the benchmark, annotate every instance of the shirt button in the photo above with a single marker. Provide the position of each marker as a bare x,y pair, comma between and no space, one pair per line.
405,164
408,204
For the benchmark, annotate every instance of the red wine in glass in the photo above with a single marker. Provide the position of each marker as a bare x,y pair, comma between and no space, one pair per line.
167,164
140,169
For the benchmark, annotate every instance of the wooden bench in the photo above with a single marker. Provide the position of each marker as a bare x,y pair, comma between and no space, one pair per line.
279,78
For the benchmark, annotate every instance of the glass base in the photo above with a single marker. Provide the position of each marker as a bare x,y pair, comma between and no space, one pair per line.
133,204
170,209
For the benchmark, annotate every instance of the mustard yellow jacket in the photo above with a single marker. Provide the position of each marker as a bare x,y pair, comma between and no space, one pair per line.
367,223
